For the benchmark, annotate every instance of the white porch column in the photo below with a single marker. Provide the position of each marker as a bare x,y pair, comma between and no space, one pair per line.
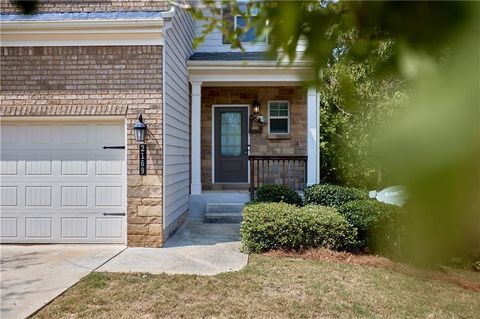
196,186
313,147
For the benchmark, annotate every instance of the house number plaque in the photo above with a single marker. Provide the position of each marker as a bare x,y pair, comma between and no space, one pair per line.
142,168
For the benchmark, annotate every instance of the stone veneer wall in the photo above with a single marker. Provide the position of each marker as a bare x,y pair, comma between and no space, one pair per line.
92,81
260,143
6,6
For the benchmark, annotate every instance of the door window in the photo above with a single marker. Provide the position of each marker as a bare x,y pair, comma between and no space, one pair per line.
231,134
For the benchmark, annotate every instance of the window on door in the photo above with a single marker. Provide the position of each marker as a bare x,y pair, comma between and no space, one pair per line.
231,137
278,117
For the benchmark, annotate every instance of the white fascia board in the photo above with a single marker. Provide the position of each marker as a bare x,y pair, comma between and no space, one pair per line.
250,73
82,32
219,64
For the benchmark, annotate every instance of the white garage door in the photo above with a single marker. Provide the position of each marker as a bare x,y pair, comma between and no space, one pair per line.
58,185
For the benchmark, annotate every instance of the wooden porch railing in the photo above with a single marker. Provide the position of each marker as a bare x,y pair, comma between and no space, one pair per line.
290,171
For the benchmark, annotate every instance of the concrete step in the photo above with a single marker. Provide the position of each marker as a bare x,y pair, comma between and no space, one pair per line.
226,196
225,213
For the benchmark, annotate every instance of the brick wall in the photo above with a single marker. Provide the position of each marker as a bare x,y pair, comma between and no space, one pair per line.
51,81
6,6
260,143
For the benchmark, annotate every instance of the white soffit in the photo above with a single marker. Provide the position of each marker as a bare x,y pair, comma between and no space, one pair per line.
82,32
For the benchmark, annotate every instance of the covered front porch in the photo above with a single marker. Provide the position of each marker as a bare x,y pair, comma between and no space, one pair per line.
253,123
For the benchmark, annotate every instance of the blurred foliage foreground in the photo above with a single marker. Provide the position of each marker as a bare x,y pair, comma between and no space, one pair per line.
400,101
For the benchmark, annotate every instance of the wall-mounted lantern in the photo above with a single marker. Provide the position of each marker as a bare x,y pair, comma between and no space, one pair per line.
257,121
256,107
139,129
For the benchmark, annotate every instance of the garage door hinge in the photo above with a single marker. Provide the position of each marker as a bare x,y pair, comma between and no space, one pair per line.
122,147
113,214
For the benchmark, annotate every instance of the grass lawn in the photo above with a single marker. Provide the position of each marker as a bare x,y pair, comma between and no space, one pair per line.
269,287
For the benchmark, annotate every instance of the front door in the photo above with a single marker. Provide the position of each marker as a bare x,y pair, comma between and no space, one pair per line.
231,141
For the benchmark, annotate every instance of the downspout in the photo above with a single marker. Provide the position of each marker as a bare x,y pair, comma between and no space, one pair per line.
168,17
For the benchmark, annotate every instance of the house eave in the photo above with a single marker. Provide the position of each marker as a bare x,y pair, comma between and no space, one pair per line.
256,73
82,32
222,64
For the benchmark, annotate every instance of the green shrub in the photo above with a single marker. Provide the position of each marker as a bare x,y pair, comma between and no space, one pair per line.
332,195
278,194
326,227
269,226
378,224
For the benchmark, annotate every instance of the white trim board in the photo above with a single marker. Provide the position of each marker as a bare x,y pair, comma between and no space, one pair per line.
246,74
101,119
82,32
213,139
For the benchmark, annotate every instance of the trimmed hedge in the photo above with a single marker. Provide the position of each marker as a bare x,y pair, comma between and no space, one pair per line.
378,224
332,195
278,194
269,226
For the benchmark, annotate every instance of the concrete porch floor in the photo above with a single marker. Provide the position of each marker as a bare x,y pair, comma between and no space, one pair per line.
196,248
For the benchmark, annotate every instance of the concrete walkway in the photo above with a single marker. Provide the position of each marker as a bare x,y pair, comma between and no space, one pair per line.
196,248
32,275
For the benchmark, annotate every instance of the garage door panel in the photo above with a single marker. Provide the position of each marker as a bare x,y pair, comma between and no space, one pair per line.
61,191
38,165
9,134
38,196
38,227
74,165
111,134
108,227
8,227
8,196
39,134
74,196
74,227
74,134
8,165
108,196
108,166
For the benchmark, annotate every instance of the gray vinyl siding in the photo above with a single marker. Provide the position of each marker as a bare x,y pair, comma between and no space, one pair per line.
214,42
178,48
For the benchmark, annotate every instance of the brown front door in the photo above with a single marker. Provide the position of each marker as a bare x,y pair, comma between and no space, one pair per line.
231,139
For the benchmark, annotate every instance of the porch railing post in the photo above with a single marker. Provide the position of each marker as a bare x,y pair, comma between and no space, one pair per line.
305,162
252,178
